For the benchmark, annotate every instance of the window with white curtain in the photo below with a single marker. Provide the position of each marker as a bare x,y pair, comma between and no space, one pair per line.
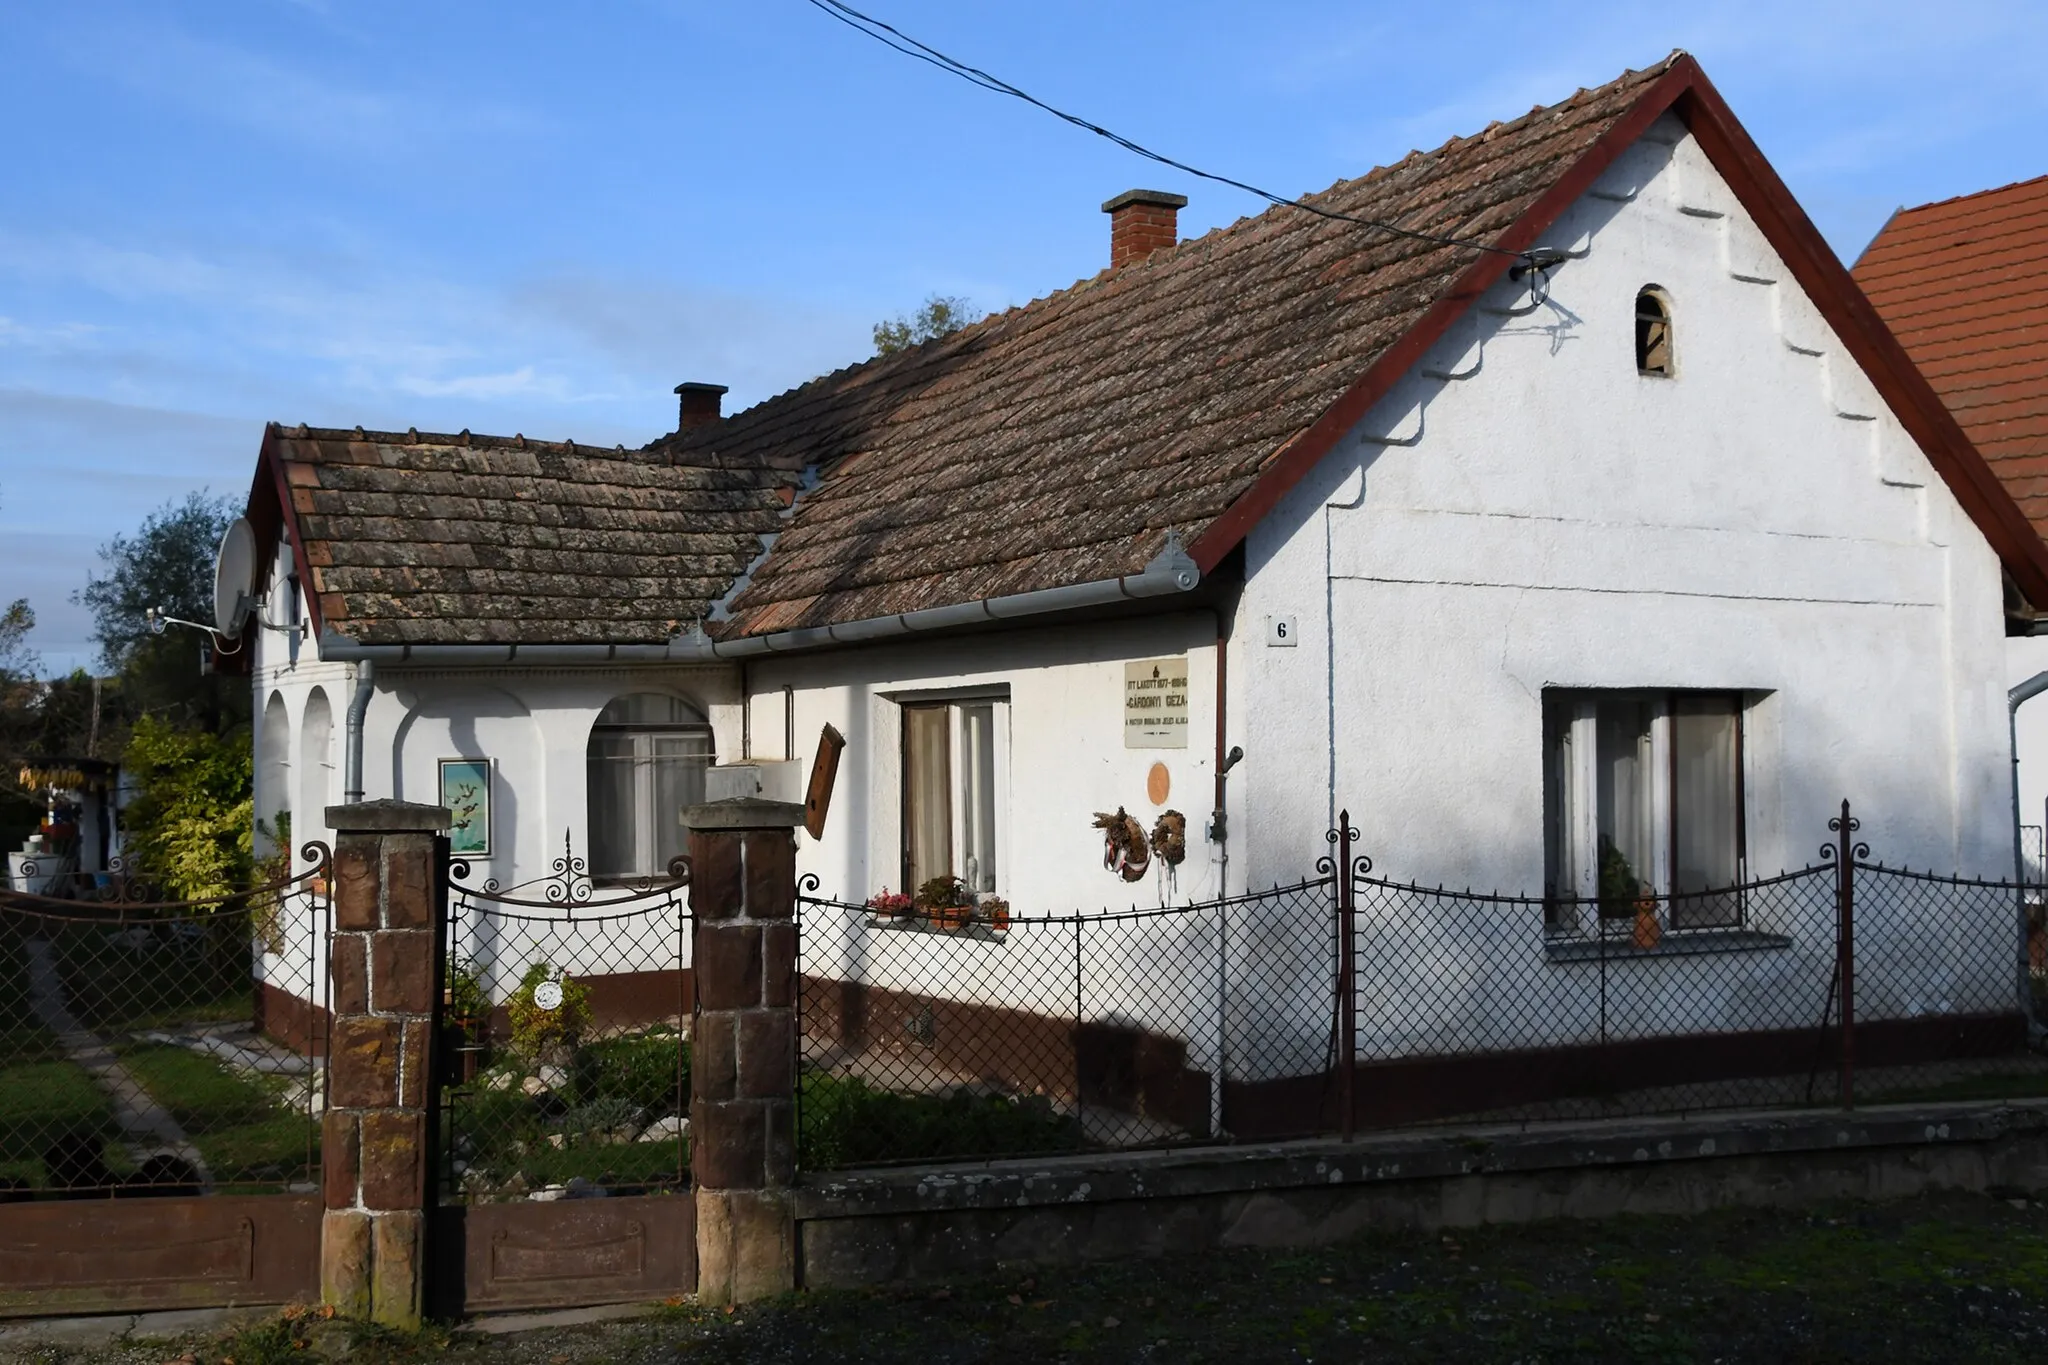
954,756
1643,797
646,763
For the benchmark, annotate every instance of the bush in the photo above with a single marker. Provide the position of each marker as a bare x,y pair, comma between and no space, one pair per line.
650,1071
844,1121
190,828
537,1033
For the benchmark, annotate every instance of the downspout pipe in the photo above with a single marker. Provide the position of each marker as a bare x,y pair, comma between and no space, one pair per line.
352,745
2014,699
1169,572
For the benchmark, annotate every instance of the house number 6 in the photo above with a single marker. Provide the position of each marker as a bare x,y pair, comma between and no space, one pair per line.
1280,632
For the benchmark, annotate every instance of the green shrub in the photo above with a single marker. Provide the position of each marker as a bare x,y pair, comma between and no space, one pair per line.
466,997
537,1032
191,827
650,1071
844,1121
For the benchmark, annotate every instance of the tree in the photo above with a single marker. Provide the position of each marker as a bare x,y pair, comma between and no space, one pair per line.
939,316
168,564
17,660
20,720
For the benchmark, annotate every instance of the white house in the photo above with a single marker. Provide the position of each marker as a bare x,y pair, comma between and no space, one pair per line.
1617,526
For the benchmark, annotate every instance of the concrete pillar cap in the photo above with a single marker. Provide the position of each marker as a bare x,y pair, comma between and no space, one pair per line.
744,812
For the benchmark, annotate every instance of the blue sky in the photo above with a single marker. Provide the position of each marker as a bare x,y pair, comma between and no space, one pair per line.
541,217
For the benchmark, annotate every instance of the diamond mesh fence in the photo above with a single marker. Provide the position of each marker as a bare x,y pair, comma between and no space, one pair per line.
935,1035
1949,978
156,1048
565,1039
931,1035
1528,1007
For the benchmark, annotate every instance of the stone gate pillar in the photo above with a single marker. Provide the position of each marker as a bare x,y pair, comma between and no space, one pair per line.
743,1051
376,1161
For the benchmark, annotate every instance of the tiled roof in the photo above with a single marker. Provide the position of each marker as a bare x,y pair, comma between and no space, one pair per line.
1061,442
428,539
1964,286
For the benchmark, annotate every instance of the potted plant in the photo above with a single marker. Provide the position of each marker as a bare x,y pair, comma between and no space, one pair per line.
947,901
890,905
1648,932
994,911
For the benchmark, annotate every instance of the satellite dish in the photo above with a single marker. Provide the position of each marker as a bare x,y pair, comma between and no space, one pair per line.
234,578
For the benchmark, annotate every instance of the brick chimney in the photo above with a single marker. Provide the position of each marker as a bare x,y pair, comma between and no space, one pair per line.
1140,223
699,405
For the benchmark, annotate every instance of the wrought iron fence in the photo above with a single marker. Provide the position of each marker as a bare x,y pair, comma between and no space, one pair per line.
1352,1000
565,1036
153,1047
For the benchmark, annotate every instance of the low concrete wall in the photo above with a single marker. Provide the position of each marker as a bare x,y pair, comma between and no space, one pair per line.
935,1222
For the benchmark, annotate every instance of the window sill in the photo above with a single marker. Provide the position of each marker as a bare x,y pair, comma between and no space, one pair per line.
1674,943
978,933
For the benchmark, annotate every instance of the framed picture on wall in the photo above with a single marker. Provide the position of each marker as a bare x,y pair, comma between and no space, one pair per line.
466,792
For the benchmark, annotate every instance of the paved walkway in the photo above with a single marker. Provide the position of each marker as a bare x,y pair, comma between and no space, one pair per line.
146,1126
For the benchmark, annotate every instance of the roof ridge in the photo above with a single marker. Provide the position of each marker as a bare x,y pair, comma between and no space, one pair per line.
1161,259
1974,194
464,438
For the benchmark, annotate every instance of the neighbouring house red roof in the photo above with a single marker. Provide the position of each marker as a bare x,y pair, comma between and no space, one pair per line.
1964,286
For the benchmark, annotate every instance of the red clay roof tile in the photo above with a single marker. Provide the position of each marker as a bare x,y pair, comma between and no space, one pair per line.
1963,284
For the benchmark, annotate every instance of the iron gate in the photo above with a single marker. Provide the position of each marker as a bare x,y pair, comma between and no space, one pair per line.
162,1065
564,1153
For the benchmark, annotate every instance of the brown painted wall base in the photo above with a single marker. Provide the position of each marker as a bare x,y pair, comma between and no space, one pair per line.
930,1223
139,1255
1103,1065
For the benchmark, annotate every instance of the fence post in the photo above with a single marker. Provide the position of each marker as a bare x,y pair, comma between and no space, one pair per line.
376,1135
1347,971
1845,943
744,1046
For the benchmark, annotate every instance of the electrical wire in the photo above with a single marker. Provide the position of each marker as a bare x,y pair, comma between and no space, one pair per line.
894,38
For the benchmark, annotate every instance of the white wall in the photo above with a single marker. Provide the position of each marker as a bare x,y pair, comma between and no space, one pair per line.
533,723
1527,511
1068,757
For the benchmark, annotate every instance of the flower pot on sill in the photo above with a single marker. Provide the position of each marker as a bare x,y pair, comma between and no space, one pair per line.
1648,933
952,918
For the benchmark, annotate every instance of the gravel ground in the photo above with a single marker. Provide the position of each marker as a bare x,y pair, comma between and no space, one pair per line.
1948,1278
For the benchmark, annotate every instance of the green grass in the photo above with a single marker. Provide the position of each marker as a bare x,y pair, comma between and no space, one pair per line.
2005,1085
844,1121
238,1123
41,1102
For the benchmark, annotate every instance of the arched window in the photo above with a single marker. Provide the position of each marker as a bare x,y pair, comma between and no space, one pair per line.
273,765
647,757
316,768
1653,332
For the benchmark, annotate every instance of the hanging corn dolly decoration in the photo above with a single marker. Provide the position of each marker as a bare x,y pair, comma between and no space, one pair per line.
1170,842
1124,850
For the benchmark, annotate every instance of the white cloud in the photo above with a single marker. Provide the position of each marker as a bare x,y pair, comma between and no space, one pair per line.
324,106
